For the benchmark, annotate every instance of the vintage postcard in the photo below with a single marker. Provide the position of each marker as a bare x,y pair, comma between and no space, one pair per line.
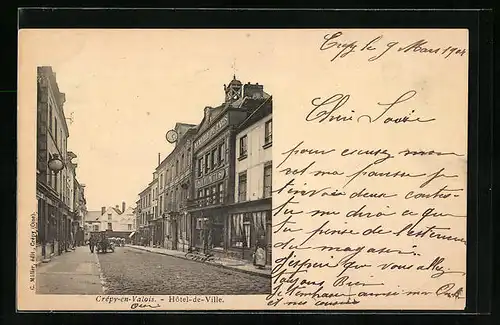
200,169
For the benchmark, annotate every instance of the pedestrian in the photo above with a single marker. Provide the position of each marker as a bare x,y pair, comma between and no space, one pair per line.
259,254
91,243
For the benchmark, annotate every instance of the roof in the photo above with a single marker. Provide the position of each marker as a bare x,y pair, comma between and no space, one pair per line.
184,124
263,110
191,132
117,210
93,215
235,81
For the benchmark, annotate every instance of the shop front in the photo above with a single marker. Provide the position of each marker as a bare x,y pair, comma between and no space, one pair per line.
209,229
249,230
47,223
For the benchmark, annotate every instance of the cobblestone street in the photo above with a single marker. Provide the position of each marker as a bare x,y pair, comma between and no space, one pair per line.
129,271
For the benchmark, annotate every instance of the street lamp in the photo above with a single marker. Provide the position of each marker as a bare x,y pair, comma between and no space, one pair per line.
55,164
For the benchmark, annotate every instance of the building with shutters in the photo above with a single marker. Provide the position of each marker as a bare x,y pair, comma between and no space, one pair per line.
172,227
55,191
250,214
144,216
214,166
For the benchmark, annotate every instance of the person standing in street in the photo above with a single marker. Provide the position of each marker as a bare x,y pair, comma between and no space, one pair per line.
91,243
260,253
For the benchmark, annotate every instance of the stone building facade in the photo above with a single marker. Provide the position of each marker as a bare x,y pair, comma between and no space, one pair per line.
214,152
55,190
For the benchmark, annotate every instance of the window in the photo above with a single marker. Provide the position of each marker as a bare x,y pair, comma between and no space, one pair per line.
129,227
110,217
213,159
110,226
240,230
268,132
242,186
221,193
199,223
207,196
182,162
221,153
207,163
161,180
200,166
96,227
214,197
50,119
177,167
243,146
55,131
200,197
268,180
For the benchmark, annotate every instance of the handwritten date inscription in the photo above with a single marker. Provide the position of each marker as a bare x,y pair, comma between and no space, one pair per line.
380,46
357,221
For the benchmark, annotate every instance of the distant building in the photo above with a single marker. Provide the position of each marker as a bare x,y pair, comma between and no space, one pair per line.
172,223
112,219
137,211
92,222
145,214
80,211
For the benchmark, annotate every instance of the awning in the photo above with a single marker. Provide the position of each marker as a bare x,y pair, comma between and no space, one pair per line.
130,236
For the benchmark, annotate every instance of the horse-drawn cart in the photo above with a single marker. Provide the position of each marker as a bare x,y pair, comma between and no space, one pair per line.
103,244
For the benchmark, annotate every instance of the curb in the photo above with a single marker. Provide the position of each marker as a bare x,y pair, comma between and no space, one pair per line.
208,263
104,287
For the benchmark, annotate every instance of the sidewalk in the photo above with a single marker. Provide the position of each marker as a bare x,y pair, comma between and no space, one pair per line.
236,265
75,272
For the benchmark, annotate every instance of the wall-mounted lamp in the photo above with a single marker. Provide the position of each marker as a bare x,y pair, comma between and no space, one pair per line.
55,164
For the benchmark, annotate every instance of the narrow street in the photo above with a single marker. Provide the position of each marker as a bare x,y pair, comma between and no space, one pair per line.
130,271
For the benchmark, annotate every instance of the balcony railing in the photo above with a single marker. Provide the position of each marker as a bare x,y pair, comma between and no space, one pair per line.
205,201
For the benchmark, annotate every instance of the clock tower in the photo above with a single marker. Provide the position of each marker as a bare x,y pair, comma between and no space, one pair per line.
233,90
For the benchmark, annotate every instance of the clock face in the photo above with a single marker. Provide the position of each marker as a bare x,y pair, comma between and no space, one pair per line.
171,136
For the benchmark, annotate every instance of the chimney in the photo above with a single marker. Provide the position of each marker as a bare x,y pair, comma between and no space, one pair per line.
159,159
103,210
123,206
253,90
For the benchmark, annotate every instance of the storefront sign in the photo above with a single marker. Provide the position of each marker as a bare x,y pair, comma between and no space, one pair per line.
210,133
211,178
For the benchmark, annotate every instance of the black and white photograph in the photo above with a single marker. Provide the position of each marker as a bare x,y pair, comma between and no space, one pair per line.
152,180
243,169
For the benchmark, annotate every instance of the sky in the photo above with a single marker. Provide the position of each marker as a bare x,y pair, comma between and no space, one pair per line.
125,90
